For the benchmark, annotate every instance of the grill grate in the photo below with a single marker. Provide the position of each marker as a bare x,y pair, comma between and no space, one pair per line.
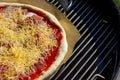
95,49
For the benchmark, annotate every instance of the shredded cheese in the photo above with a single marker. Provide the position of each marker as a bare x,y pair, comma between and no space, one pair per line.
28,42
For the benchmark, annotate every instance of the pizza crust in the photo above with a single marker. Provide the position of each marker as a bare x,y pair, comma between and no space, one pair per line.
63,47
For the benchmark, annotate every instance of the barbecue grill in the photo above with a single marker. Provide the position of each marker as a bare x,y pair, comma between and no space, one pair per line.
95,56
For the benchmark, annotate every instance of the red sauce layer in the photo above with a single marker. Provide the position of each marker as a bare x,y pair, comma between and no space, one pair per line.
54,53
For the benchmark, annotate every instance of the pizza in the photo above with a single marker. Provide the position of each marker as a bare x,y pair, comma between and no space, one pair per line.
32,42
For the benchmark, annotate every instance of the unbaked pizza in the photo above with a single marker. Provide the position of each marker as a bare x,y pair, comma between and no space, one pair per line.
32,42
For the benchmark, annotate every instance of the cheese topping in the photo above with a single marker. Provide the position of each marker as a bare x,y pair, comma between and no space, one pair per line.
23,39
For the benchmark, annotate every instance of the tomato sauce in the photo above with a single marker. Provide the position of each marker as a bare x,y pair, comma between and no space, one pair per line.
50,59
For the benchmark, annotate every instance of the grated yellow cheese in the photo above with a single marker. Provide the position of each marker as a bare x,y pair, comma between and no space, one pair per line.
26,48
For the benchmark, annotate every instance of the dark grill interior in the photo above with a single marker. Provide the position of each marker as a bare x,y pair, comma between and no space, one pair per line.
95,54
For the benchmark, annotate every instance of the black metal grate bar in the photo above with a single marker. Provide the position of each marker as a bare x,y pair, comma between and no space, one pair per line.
102,61
73,9
93,52
85,33
56,4
83,56
103,58
71,17
77,54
